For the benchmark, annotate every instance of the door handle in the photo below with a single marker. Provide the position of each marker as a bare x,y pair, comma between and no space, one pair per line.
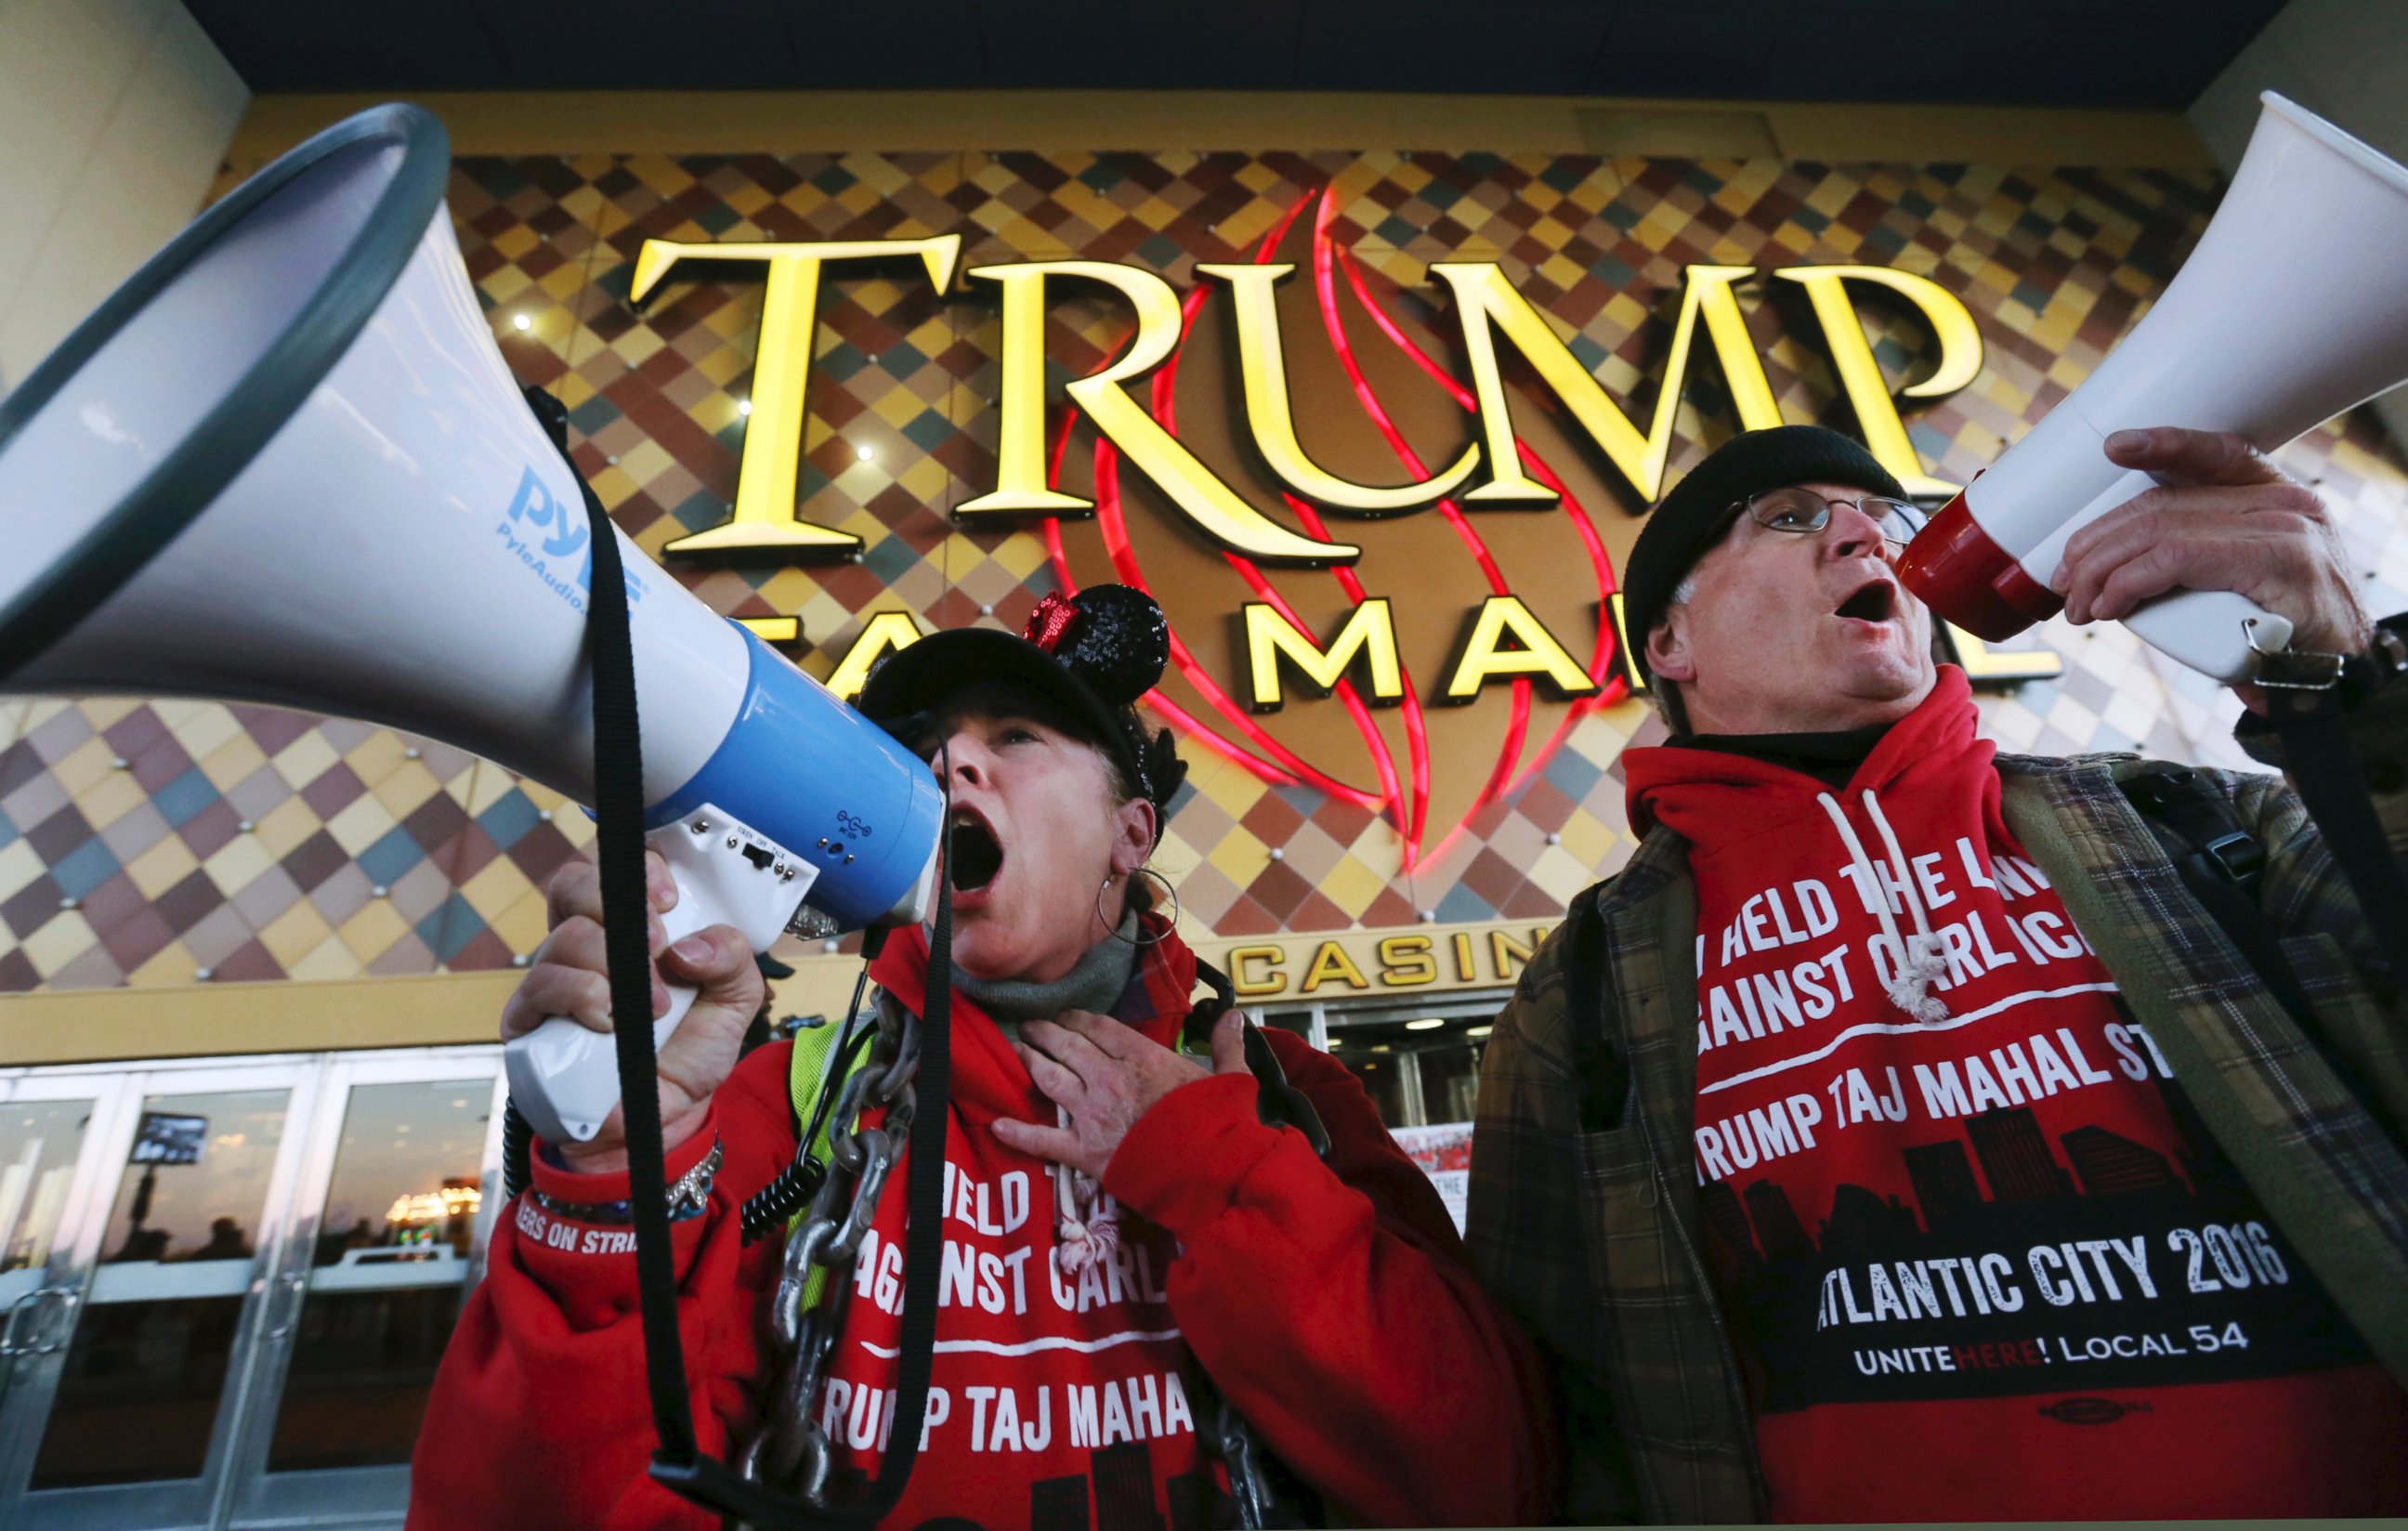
62,1328
295,1282
45,1340
9,1349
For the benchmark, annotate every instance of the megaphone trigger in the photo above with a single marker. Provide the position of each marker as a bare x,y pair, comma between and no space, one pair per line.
563,1075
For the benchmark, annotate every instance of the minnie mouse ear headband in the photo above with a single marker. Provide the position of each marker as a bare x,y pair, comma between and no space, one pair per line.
1090,655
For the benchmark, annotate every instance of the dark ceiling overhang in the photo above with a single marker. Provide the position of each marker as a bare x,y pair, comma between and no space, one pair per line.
2139,54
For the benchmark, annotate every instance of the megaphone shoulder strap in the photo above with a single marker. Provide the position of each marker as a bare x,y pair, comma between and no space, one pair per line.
619,821
679,1463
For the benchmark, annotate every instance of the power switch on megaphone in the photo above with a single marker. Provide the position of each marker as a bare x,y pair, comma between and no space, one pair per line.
564,1075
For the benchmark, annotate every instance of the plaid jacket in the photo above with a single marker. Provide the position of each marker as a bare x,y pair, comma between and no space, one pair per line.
1583,1213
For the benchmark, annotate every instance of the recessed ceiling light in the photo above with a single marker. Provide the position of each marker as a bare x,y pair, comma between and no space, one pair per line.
1430,1024
523,322
743,407
1480,1031
865,453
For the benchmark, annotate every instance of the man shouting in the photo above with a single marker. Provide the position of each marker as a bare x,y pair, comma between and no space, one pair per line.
1898,1137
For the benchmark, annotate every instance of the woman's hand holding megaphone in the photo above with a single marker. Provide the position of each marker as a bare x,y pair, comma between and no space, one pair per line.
2223,518
570,977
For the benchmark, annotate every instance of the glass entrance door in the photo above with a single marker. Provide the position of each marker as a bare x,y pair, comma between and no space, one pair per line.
1421,1067
51,1174
133,1416
224,1289
392,1210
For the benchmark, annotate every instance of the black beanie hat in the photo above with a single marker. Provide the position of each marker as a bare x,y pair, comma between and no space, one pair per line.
1683,526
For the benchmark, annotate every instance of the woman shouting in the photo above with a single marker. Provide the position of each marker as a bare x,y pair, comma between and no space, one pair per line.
1172,1293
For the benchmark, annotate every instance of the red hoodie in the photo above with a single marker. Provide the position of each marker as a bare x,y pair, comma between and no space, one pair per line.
1329,1302
1982,1262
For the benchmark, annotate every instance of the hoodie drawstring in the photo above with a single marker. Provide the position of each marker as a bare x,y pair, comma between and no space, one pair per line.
1921,964
1090,1238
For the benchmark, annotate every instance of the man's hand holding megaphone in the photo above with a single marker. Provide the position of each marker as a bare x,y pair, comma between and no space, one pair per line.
2223,518
570,977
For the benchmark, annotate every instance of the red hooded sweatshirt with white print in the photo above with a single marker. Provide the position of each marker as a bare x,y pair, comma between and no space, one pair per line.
1981,1260
1328,1301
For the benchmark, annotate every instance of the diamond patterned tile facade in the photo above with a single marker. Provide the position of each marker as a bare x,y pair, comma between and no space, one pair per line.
142,842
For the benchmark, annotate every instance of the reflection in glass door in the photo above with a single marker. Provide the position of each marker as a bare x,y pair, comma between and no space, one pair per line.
139,1398
39,1143
1421,1066
386,1271
224,1289
48,1170
381,1253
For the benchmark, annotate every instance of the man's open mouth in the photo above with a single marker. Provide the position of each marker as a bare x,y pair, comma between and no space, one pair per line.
973,855
1876,600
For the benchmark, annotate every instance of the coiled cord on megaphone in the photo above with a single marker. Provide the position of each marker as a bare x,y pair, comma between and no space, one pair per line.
518,1150
774,1204
679,1463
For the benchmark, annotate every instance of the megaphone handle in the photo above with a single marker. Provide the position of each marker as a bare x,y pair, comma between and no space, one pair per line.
2210,631
565,1076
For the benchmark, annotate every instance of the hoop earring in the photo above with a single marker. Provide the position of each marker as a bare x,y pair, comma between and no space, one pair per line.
1112,926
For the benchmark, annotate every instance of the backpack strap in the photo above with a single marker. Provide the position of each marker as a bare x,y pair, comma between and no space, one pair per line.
2178,802
1588,991
1196,1032
2221,863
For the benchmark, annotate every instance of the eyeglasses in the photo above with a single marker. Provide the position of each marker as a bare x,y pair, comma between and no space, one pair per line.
1803,512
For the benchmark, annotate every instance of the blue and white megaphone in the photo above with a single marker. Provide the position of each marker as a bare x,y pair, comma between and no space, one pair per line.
286,463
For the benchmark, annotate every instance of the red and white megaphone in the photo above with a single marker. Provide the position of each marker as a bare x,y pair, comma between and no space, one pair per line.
285,463
2292,310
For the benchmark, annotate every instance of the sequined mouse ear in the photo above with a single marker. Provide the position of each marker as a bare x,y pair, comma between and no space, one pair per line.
1111,637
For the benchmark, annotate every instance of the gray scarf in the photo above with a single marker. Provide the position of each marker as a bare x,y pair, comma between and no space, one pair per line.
1094,984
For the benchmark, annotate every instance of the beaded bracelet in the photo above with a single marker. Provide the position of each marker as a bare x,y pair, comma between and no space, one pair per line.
689,1194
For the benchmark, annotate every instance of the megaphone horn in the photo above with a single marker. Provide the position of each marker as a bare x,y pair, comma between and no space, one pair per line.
2290,312
286,463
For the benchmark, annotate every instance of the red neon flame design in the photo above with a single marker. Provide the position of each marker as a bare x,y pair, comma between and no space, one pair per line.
1406,806
1165,408
1114,526
1283,767
1611,686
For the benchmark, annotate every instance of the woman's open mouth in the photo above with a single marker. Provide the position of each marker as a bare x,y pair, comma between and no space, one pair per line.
1876,600
973,855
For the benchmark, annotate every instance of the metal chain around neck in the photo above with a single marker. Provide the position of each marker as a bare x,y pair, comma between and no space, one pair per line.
792,1451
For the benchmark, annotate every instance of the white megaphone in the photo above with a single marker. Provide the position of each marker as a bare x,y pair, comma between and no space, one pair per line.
2292,310
286,463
